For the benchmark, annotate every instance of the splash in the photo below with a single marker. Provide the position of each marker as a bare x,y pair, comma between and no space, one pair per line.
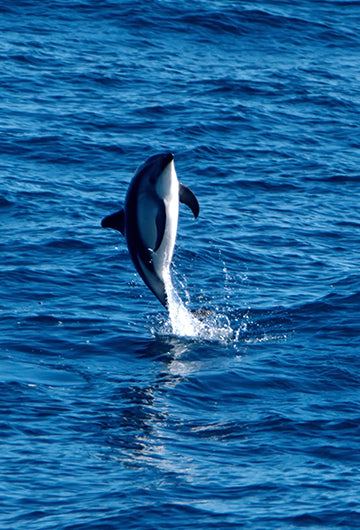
228,323
201,324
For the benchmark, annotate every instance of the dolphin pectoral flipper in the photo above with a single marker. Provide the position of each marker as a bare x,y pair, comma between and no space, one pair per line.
115,221
187,197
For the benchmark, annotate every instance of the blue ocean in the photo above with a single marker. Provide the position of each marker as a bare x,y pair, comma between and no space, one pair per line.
113,417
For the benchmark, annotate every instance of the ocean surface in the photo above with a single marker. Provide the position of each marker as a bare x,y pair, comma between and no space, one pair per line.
111,417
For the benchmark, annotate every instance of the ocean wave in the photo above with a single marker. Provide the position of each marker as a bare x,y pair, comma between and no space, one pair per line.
5,204
249,415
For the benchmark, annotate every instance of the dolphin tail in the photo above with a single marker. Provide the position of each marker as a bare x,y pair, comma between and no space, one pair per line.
160,292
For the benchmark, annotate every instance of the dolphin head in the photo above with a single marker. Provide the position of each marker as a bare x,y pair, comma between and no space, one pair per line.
155,165
157,173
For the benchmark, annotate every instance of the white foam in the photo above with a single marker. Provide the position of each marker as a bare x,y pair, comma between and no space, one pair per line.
183,323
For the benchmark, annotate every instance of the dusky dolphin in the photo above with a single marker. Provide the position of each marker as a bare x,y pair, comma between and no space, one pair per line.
150,217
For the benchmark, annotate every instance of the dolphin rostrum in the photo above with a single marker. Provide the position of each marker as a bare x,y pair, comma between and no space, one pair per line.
150,217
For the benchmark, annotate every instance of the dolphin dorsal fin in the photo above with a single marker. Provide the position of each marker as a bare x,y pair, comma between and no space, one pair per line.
115,221
187,197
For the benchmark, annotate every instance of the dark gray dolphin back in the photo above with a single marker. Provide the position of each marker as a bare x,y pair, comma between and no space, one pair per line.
140,254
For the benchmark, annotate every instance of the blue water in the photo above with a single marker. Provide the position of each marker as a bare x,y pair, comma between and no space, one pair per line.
110,419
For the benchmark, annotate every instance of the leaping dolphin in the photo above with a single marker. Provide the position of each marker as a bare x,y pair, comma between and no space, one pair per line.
150,218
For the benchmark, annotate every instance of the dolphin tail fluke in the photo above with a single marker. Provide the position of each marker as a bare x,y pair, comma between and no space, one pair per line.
115,221
187,197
